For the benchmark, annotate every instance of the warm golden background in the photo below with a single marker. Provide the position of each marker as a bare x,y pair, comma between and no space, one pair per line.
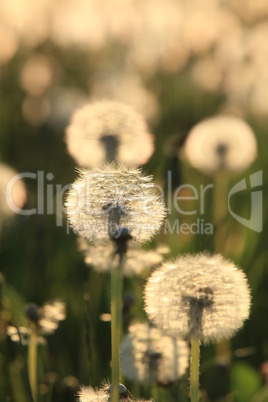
176,62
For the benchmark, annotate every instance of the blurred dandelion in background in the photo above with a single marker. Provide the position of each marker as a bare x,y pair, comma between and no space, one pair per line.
150,356
43,321
46,319
138,260
221,143
9,44
124,86
203,296
36,75
103,201
108,131
13,194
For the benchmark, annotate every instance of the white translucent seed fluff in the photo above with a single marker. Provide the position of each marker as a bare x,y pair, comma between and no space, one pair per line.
88,394
114,193
198,295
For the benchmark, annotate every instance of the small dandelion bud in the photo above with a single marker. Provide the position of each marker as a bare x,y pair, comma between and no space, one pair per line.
108,131
114,203
122,392
32,312
221,143
149,356
200,296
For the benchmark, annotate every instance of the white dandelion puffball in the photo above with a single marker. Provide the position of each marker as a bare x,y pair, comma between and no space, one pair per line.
137,260
108,131
103,394
203,296
221,143
104,201
150,356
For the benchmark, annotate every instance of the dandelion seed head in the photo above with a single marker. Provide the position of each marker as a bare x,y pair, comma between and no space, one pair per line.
88,394
198,295
137,262
221,143
108,131
149,356
102,201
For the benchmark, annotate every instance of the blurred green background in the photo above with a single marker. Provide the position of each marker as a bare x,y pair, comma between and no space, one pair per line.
177,63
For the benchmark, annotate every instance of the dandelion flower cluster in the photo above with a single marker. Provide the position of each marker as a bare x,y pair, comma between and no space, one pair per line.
150,356
221,143
138,260
103,201
108,131
203,296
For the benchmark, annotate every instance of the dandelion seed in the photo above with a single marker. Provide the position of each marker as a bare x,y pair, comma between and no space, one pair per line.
221,143
102,202
201,296
108,131
137,261
150,356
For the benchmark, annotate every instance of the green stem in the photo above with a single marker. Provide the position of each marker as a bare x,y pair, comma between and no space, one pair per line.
194,380
220,194
32,361
116,311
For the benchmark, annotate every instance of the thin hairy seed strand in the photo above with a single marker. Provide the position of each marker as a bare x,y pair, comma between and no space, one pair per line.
194,369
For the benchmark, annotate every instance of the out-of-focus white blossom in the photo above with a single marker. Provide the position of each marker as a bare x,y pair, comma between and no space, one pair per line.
150,356
45,318
12,191
108,131
137,260
221,143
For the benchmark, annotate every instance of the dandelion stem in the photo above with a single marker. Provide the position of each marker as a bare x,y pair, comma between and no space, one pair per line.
194,380
116,300
32,361
220,201
221,187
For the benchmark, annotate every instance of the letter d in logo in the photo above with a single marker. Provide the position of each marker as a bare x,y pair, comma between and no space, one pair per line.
255,220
